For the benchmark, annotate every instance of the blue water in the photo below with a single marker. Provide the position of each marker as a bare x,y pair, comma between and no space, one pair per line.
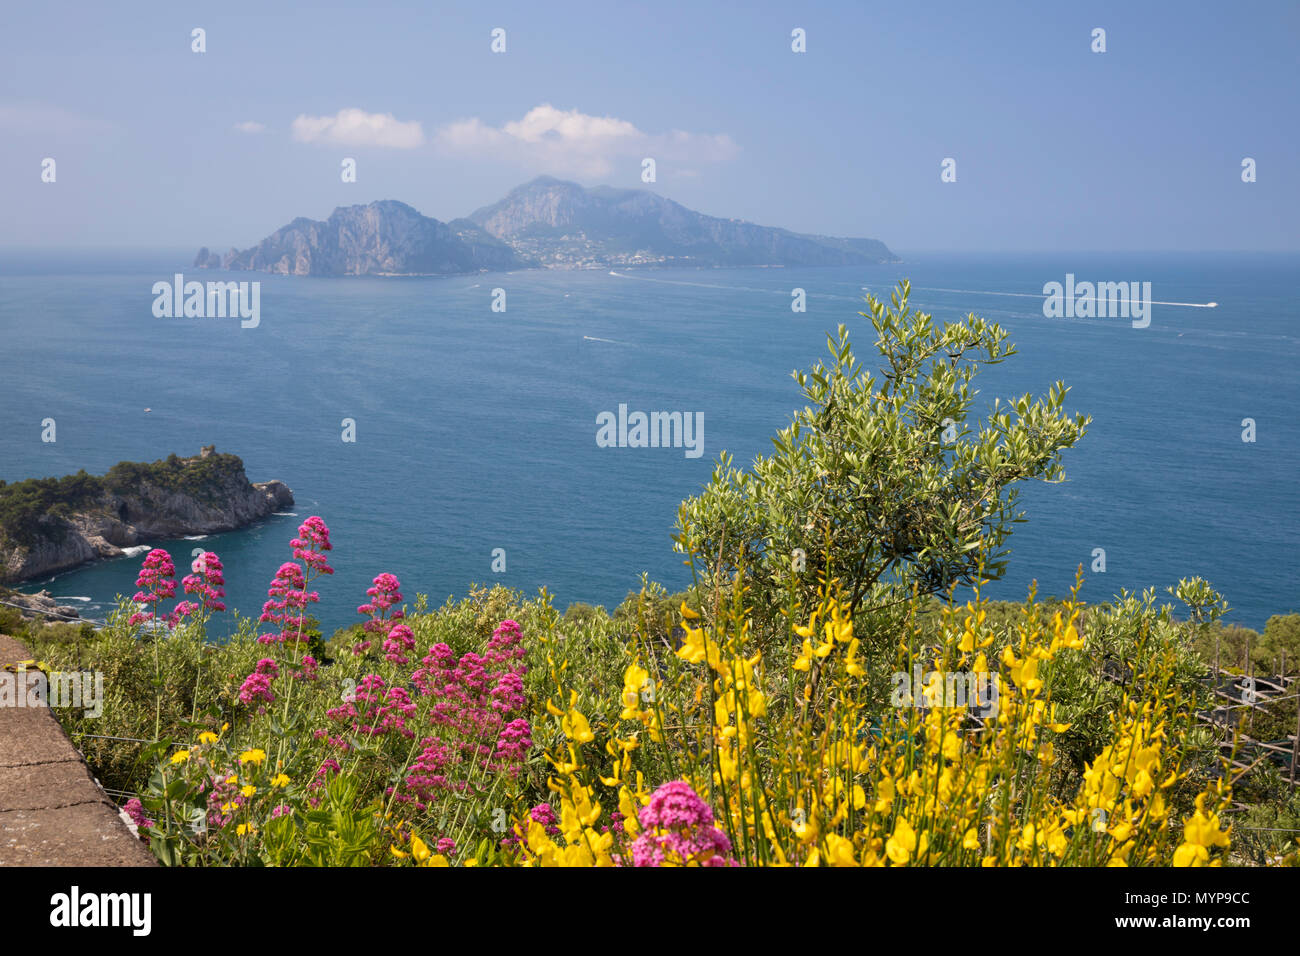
476,430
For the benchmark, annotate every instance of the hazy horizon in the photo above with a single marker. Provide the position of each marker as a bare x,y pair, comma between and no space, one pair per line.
1056,147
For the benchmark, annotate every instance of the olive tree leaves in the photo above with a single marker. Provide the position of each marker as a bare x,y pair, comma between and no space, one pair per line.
886,478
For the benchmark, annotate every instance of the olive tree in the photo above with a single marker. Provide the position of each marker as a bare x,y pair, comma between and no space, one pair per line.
887,478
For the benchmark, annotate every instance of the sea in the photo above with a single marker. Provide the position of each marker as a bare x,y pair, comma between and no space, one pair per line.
475,457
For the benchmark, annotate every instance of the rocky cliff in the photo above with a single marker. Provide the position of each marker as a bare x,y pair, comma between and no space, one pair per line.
49,525
546,222
563,224
383,238
40,606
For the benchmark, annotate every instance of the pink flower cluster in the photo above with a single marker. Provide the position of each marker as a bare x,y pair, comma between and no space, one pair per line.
287,595
311,544
286,607
678,829
466,715
475,716
157,583
207,581
135,810
257,685
544,814
383,594
375,710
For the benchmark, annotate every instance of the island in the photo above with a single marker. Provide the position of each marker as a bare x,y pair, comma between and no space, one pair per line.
546,223
52,524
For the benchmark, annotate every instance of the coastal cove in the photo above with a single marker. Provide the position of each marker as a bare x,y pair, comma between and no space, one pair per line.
476,430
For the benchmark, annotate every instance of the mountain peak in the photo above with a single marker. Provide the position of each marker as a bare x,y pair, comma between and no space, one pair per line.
565,225
546,221
384,237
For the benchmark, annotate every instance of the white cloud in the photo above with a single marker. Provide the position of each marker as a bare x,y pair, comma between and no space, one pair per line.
568,141
353,127
249,126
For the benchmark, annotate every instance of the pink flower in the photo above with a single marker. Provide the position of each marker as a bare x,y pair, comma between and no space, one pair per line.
400,639
288,595
311,544
257,686
135,810
514,743
155,584
383,594
678,830
207,581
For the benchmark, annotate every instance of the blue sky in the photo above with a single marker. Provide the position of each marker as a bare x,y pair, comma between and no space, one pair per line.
1057,147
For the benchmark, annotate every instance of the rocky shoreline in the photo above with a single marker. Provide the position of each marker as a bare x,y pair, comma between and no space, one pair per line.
40,605
134,503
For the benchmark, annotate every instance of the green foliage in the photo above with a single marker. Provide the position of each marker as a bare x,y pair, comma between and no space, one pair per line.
25,505
180,682
1228,642
200,478
38,508
1281,637
865,480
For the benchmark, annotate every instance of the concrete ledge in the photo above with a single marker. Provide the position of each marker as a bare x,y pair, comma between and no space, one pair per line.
52,813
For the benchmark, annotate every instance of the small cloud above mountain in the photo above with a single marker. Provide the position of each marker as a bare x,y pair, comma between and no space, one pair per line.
576,143
355,127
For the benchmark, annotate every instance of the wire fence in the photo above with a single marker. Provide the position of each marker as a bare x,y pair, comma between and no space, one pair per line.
66,617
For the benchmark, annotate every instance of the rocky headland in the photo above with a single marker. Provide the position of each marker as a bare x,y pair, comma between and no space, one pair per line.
53,524
547,223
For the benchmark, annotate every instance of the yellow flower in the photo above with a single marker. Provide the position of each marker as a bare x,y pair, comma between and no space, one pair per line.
280,780
180,756
245,828
396,852
884,795
806,830
419,849
951,746
575,727
255,756
851,665
207,737
634,680
901,845
839,851
687,613
695,647
1200,833
248,790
